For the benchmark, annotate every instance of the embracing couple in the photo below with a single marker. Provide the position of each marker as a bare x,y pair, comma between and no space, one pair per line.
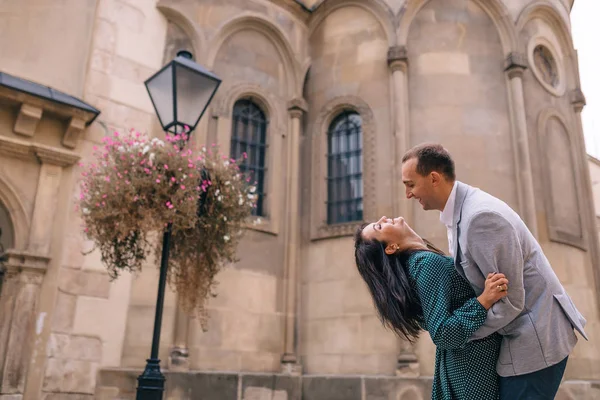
502,323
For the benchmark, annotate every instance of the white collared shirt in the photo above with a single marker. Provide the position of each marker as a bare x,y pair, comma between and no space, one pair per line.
447,217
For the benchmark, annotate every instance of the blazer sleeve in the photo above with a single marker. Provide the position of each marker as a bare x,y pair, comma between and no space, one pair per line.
494,246
448,329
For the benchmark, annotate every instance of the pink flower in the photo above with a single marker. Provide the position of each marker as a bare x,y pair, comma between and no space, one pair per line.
107,178
146,170
104,196
169,205
245,155
182,187
158,181
166,166
190,165
173,179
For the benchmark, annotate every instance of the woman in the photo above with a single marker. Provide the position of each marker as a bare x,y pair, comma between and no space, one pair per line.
414,287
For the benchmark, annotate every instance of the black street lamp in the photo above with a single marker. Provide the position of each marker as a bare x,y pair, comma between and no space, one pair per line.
180,93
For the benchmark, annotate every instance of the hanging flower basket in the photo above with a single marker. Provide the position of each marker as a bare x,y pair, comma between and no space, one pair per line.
136,187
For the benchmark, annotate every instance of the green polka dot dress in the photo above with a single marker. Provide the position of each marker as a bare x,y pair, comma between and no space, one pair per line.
451,314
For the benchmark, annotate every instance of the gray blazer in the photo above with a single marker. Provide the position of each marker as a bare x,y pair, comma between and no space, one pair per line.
537,318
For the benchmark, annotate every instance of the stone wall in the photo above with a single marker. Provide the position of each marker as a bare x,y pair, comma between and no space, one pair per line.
447,71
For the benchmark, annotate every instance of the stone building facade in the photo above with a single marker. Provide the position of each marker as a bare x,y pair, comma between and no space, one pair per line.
495,81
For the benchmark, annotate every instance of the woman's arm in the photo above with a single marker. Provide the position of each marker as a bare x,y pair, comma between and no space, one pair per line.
448,329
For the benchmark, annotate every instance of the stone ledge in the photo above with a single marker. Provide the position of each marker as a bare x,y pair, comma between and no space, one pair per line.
120,383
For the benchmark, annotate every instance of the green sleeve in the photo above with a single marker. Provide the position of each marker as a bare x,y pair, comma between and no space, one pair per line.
448,329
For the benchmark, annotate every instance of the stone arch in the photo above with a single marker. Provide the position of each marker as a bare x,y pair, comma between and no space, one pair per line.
495,9
261,97
378,8
571,233
320,128
258,23
545,11
16,211
181,19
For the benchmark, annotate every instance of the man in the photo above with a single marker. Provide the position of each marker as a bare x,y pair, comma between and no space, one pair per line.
537,319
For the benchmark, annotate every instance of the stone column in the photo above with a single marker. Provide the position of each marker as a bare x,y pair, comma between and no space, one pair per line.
588,213
18,303
398,64
408,362
179,356
289,361
515,65
46,199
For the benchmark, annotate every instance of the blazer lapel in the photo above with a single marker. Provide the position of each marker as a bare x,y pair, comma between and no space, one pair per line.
461,195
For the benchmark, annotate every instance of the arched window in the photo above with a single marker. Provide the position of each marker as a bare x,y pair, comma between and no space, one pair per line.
249,135
344,169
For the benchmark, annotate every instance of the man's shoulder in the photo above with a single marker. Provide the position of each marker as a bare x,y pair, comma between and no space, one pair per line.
478,202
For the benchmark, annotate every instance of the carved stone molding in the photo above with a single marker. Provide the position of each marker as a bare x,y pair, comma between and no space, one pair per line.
297,107
26,266
320,229
515,64
578,99
30,151
397,58
27,119
73,132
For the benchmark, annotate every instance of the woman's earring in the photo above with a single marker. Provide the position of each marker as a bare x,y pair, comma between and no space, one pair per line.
395,247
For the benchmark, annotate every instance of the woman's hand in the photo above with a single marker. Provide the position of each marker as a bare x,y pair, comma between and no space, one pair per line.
496,288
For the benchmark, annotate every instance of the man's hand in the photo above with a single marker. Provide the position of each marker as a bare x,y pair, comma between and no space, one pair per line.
496,288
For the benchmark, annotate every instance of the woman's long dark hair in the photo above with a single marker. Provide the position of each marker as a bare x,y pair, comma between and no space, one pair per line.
386,276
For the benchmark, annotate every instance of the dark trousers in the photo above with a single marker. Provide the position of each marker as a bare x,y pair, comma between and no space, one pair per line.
538,385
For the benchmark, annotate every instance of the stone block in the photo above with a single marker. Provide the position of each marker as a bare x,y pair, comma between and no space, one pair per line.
105,35
329,364
98,83
125,16
215,359
375,338
64,312
331,388
102,61
443,63
67,396
278,386
57,345
203,386
383,388
324,299
84,283
357,299
70,376
333,335
131,93
255,393
84,348
260,361
130,70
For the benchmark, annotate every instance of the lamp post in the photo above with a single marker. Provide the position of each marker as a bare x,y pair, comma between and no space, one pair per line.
180,92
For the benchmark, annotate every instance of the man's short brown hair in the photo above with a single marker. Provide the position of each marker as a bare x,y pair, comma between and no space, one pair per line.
432,157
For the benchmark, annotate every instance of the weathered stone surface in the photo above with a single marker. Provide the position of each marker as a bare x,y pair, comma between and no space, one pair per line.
202,385
64,311
331,388
70,376
383,388
84,283
279,386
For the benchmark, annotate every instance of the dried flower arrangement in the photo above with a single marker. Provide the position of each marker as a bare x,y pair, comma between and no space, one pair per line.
135,187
